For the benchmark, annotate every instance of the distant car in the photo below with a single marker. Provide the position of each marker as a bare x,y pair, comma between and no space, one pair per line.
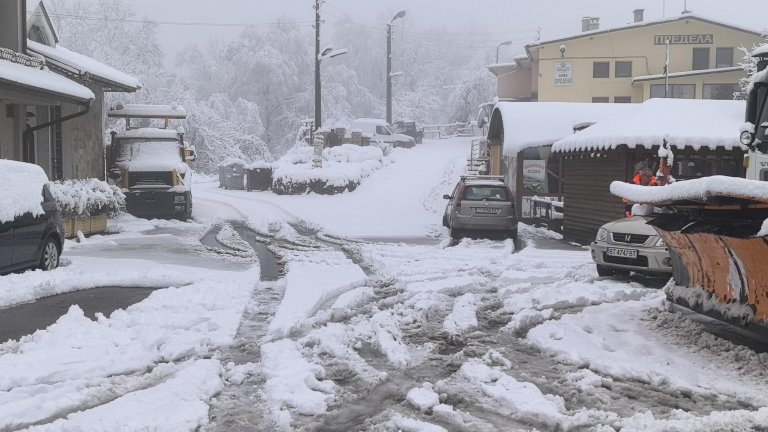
29,240
380,130
481,205
409,128
630,245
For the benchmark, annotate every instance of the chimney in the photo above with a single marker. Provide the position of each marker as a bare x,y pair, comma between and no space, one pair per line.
590,24
639,15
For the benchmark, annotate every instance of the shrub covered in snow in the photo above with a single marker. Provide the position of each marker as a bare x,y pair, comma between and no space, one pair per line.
87,197
344,168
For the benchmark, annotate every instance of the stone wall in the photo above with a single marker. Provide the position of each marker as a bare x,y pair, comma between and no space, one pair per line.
83,155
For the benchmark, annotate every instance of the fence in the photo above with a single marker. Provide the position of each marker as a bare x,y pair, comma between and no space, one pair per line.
448,130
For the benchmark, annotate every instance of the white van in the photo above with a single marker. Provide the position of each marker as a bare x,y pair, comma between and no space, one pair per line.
380,130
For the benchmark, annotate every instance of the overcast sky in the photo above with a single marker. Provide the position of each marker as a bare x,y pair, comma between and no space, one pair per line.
494,20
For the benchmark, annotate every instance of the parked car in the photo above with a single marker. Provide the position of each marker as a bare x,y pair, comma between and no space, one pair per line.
32,234
380,130
481,205
409,128
630,245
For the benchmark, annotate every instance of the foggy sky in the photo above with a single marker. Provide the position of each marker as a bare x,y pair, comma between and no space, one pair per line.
493,20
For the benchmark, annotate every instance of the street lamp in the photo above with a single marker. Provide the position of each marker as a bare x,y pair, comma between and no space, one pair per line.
325,54
505,43
389,64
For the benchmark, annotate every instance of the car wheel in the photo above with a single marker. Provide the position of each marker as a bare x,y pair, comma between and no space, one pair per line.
604,271
49,259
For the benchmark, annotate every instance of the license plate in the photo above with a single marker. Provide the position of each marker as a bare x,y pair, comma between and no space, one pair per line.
487,210
624,253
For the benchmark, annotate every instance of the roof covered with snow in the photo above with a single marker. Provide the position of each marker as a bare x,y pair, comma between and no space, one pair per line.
701,189
533,124
692,123
83,64
763,49
42,80
21,189
631,26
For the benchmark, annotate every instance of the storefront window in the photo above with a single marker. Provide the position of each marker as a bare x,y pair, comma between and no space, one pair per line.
719,91
676,91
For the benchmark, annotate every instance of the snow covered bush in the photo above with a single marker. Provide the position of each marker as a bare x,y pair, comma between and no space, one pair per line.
344,168
87,197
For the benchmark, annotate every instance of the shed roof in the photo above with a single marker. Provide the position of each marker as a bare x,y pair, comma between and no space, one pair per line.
533,124
83,64
692,123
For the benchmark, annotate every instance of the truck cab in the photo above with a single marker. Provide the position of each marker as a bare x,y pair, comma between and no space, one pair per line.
149,161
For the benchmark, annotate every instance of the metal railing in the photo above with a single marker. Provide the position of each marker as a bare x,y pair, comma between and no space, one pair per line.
448,130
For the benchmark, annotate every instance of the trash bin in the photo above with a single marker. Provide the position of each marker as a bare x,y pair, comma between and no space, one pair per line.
231,174
258,177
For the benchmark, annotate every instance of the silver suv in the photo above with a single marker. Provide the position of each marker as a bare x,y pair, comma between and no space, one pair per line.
630,245
481,204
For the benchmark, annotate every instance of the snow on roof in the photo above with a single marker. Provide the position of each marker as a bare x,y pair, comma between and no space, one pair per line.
84,64
701,189
21,189
42,80
642,24
692,123
687,73
533,124
147,111
149,133
763,49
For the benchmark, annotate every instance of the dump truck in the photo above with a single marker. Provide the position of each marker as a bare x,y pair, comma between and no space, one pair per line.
148,161
716,228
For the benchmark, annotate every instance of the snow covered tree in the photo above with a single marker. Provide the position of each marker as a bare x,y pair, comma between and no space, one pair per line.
749,64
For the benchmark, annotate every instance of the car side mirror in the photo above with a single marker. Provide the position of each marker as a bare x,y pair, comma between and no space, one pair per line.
446,197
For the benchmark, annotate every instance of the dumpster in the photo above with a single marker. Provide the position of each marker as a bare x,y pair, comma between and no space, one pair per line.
231,174
258,176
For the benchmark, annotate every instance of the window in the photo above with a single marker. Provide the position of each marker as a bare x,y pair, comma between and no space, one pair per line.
696,166
601,70
676,91
600,100
622,99
700,58
486,193
623,69
724,57
381,130
719,91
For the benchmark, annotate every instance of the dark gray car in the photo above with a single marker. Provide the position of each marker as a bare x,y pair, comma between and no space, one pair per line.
32,241
481,205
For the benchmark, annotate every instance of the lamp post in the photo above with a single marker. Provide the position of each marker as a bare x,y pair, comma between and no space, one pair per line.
389,64
317,140
319,57
505,43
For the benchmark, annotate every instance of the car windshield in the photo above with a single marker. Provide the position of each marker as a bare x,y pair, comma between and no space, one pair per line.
486,193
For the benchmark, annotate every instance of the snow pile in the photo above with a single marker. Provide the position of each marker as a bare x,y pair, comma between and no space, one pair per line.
344,168
293,382
706,123
406,424
312,279
527,318
21,189
701,189
87,197
463,317
423,398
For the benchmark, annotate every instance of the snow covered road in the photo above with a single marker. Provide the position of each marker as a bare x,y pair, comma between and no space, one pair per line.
364,335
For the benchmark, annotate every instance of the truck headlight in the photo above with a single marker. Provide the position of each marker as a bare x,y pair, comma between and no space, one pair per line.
747,138
660,243
602,235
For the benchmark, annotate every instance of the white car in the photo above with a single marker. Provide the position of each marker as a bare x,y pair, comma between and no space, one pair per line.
630,245
380,130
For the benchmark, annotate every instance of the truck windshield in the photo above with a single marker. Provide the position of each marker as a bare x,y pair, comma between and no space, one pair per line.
143,149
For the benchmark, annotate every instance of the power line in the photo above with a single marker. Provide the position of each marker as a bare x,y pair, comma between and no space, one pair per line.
176,23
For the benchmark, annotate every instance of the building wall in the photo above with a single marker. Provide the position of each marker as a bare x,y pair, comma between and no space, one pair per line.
83,138
11,32
637,45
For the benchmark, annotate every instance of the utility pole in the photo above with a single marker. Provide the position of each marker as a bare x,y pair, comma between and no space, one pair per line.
389,65
318,96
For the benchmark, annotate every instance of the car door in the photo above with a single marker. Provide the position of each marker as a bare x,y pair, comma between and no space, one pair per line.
27,234
6,244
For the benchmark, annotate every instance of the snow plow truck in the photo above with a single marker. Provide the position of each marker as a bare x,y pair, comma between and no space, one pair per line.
716,228
148,161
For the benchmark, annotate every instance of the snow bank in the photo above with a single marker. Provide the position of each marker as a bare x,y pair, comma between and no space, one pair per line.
706,123
701,189
21,189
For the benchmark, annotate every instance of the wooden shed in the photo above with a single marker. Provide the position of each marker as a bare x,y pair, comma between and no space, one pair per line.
703,135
